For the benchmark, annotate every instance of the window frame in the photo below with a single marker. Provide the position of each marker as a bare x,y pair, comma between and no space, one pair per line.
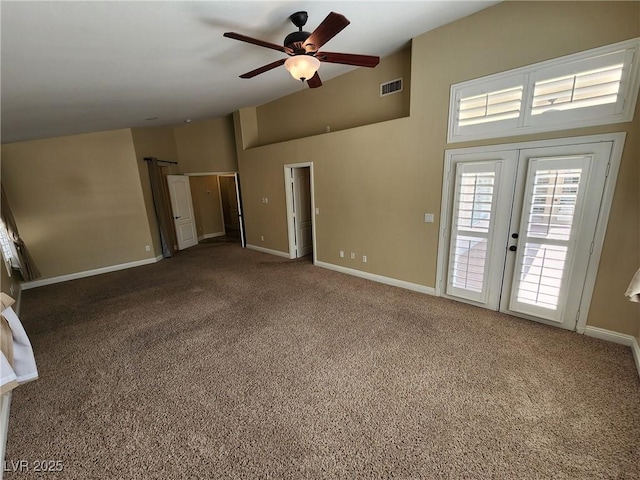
527,76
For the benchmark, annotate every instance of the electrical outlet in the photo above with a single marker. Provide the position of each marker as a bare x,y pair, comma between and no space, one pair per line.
364,259
353,256
266,200
317,211
147,248
262,238
428,218
341,254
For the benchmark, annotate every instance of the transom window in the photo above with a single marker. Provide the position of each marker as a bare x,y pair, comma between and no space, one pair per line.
594,87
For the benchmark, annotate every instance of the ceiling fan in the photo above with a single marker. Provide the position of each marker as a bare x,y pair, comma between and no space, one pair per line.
303,49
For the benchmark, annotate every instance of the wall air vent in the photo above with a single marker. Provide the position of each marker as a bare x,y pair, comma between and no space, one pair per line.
394,86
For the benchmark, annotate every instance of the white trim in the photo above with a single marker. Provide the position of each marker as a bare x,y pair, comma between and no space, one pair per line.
635,348
617,148
378,278
609,335
615,337
89,273
267,250
210,235
288,178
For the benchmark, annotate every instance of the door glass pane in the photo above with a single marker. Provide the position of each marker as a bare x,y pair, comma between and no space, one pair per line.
553,203
541,274
472,220
469,262
545,245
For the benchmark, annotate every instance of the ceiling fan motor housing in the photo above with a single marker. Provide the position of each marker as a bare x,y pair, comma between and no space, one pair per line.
295,41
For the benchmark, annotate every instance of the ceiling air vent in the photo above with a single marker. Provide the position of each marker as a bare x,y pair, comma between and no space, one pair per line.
394,86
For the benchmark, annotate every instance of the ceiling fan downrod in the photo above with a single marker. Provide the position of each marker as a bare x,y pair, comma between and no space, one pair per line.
296,40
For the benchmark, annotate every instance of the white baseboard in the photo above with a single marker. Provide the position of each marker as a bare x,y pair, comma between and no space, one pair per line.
378,278
268,250
210,235
615,337
89,273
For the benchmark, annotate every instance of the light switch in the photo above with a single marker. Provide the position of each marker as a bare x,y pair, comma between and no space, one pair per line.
317,211
428,218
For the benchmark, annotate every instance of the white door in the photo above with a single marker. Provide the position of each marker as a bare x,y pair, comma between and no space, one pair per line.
182,209
302,211
522,227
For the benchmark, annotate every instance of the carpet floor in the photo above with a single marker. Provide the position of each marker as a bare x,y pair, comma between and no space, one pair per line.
223,362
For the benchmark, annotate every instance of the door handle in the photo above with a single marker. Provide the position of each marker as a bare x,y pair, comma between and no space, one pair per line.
513,248
514,235
175,218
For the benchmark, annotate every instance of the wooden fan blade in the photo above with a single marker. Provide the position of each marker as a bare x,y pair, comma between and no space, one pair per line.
329,28
260,43
314,82
264,68
348,59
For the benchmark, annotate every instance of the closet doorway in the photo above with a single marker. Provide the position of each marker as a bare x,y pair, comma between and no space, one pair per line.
301,212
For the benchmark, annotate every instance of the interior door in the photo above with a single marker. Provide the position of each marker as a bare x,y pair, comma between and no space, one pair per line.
182,209
302,211
522,226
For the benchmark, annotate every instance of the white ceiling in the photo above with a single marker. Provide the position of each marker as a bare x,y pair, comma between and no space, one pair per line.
74,67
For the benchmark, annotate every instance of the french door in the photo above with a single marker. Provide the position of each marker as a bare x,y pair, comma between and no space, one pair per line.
520,227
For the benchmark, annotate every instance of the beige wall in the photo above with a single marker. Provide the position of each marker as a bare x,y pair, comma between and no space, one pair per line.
78,201
206,205
374,183
207,146
337,104
158,142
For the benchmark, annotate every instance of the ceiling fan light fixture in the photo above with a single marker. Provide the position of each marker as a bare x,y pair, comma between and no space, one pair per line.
302,67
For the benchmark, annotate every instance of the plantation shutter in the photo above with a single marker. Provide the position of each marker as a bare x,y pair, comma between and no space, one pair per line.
549,230
473,218
589,88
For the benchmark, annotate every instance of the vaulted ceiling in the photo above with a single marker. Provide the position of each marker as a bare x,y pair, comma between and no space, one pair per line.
74,67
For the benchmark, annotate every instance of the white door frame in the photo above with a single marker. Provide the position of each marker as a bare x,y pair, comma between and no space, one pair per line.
176,179
238,198
288,178
617,139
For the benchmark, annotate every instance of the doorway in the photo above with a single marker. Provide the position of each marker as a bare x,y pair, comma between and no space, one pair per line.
231,205
523,225
300,209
